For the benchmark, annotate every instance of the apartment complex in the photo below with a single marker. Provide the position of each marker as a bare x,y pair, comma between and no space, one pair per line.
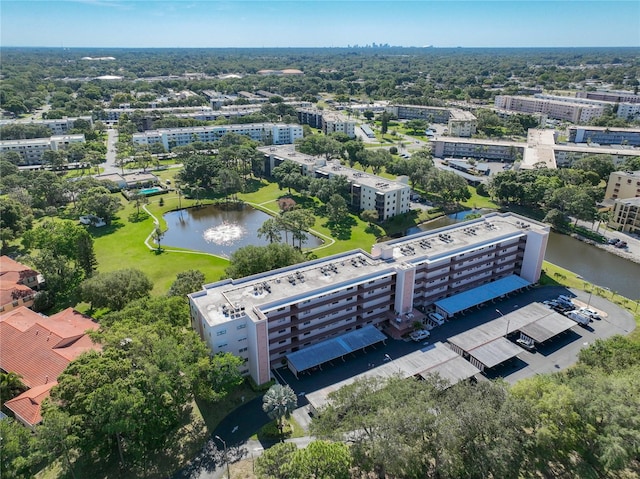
58,127
604,135
266,317
626,215
611,96
328,122
33,149
460,122
559,108
539,149
368,192
268,133
623,184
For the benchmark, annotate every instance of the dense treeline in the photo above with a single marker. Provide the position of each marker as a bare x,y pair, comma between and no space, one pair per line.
410,75
575,424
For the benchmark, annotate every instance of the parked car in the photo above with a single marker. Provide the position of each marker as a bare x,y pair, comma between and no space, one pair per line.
613,241
437,318
589,312
550,303
621,244
581,319
526,343
419,335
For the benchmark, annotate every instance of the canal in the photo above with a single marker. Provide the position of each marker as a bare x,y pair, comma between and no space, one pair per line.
595,265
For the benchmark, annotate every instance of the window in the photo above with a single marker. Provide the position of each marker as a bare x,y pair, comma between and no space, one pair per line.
242,326
221,332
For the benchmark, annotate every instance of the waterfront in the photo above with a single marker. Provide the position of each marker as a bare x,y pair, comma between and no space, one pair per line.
593,264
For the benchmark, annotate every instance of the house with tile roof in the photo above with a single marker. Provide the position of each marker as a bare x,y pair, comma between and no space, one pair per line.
38,349
18,284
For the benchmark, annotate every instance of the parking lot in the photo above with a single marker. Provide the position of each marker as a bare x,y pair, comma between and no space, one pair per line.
554,355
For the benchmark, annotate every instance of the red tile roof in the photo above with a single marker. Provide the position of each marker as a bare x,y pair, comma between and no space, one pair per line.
27,405
12,277
39,348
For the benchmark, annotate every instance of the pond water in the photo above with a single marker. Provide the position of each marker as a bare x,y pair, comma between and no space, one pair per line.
219,229
593,264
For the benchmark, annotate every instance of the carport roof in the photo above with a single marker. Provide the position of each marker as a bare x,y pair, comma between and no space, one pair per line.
453,370
325,351
481,294
495,352
547,327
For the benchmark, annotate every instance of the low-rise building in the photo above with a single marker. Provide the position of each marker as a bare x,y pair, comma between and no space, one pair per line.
60,126
368,192
328,122
266,317
38,349
604,135
32,150
18,284
269,133
611,96
460,123
559,108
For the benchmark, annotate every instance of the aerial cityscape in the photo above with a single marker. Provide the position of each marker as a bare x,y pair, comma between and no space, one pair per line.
319,239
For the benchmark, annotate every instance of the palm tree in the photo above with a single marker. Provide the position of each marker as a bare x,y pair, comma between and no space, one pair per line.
270,230
157,235
279,402
10,386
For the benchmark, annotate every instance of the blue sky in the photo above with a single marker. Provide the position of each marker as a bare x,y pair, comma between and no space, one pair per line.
318,23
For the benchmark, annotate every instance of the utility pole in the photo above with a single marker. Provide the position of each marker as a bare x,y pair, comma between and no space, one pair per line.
226,458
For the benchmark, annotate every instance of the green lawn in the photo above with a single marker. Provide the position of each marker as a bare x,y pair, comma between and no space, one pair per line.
477,201
121,245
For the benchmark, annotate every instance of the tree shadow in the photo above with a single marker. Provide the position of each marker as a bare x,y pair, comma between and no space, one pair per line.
253,184
137,217
341,230
374,230
105,230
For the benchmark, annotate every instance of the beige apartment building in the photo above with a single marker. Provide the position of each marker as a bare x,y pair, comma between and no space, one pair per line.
623,184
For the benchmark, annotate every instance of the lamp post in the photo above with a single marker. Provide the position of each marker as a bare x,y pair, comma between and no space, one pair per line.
226,458
508,320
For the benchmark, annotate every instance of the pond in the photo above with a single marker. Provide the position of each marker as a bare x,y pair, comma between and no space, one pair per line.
593,264
219,229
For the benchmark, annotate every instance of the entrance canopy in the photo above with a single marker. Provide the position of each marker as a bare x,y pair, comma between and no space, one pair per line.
481,294
318,354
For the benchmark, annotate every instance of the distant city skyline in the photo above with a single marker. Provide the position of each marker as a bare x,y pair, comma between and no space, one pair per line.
318,23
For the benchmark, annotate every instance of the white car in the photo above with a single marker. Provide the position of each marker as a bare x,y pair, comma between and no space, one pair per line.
437,318
589,312
420,335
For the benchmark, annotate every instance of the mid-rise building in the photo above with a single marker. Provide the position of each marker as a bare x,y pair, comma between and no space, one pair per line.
460,122
626,215
268,133
558,108
628,111
32,150
60,126
368,192
265,317
623,185
448,147
604,135
328,122
611,96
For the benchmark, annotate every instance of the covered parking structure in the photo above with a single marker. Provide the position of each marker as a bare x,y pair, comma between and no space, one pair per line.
480,295
435,358
318,354
486,346
546,327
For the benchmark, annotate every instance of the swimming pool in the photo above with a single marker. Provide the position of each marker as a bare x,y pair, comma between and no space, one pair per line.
151,191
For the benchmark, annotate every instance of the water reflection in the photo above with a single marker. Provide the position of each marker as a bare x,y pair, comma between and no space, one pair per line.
219,229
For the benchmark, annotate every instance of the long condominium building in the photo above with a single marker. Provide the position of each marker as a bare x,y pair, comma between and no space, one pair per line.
559,108
604,135
612,96
460,122
269,133
265,317
33,149
368,192
60,126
